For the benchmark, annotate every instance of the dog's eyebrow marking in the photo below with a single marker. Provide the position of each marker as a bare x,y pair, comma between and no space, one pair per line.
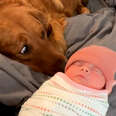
39,17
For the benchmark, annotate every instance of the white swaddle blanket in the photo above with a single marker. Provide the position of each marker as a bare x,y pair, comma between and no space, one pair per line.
59,96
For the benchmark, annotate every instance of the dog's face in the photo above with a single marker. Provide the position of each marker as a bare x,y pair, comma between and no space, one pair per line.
24,36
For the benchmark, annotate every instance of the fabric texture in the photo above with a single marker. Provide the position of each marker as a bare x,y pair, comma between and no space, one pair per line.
112,103
95,5
111,3
60,97
92,29
18,82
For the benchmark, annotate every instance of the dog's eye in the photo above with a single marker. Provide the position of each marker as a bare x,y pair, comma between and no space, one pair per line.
42,34
24,49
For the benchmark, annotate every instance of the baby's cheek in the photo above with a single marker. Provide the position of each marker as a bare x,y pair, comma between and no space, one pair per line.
99,81
72,70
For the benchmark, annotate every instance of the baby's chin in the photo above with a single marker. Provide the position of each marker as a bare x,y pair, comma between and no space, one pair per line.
84,82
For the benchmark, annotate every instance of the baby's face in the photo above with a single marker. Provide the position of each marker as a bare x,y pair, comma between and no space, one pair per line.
86,74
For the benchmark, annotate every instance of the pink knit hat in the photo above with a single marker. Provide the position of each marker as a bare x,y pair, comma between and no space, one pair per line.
102,57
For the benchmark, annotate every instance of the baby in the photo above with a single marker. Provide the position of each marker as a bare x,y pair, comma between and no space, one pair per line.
81,91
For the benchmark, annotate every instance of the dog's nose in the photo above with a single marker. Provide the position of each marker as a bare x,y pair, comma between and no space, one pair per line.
60,64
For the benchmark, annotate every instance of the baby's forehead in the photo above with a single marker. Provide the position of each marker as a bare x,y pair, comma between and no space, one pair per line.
83,62
86,63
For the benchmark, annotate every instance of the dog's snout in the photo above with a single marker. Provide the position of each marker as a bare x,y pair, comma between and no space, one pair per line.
60,64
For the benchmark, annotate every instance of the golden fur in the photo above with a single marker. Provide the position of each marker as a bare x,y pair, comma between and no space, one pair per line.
31,31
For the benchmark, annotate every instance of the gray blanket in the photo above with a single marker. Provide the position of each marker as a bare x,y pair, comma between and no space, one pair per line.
95,28
18,82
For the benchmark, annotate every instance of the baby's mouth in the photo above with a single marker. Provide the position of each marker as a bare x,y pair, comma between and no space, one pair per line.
79,76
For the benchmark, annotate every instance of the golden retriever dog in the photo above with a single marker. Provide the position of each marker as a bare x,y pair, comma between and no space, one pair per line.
31,31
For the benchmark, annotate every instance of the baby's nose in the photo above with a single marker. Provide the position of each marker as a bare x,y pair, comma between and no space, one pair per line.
85,69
